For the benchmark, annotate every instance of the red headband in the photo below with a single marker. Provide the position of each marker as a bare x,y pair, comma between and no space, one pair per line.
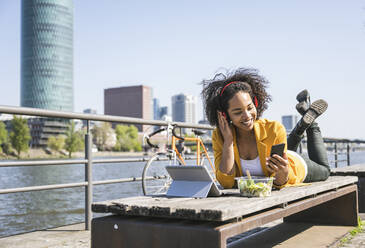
254,98
227,86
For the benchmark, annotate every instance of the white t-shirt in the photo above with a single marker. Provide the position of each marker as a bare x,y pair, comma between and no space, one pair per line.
253,166
255,169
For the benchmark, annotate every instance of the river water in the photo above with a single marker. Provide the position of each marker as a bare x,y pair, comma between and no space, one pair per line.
24,212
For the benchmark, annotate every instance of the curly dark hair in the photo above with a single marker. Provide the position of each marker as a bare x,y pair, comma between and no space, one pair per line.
247,80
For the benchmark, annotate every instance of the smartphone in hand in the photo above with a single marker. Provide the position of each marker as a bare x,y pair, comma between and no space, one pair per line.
277,149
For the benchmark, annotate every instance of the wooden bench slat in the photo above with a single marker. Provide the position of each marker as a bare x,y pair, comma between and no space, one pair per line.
215,208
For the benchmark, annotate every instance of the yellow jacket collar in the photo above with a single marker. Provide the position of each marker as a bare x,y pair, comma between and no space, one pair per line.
260,135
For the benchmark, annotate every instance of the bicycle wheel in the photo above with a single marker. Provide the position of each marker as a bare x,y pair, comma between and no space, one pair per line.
155,179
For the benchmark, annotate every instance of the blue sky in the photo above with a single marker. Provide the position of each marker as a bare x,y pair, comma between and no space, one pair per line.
173,45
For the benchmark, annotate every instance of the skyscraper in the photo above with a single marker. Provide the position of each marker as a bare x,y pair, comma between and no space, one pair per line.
164,111
289,122
131,101
183,108
156,109
47,54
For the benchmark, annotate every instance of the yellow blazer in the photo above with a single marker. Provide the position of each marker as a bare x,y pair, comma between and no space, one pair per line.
267,133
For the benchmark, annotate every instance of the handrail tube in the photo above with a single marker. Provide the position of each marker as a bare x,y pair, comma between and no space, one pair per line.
125,180
74,185
41,162
94,117
104,161
42,187
81,161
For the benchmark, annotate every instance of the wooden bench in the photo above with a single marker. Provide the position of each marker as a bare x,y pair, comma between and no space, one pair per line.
187,222
354,170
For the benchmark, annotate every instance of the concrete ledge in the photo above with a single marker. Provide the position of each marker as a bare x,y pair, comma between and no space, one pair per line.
354,170
288,235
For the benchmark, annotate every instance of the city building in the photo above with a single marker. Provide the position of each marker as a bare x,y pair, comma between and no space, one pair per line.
156,109
183,108
47,54
289,122
164,111
129,101
41,129
47,64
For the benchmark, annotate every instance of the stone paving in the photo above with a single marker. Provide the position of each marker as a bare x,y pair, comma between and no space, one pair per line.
73,236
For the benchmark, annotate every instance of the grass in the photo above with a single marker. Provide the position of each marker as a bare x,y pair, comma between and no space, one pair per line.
360,228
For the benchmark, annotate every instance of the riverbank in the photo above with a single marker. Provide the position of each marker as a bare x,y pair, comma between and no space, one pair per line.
43,154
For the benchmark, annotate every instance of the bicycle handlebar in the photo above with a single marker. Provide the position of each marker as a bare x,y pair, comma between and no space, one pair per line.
148,136
177,136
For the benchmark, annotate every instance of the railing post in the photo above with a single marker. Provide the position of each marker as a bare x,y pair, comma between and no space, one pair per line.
348,153
88,178
336,155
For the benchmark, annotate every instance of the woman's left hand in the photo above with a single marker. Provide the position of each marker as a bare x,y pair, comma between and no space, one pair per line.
279,166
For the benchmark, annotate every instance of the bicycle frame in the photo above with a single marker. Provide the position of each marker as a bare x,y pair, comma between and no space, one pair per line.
174,157
175,152
199,144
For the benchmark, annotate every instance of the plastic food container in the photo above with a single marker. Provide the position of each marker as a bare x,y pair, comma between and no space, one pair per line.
255,187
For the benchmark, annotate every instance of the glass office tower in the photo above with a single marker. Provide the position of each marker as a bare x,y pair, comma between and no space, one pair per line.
47,54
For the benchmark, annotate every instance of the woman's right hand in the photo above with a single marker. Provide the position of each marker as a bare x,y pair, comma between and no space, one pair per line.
225,128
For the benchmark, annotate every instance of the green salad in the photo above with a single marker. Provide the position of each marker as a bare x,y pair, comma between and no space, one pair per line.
255,187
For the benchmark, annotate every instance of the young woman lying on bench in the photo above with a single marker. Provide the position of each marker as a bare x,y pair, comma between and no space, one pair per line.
242,141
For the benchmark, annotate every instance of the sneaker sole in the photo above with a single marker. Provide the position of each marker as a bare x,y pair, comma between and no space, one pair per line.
316,109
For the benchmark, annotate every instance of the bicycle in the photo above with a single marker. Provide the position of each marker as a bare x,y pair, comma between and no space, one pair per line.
152,182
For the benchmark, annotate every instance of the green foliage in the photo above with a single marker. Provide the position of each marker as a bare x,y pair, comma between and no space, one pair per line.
74,140
127,138
56,143
3,136
102,135
20,135
6,147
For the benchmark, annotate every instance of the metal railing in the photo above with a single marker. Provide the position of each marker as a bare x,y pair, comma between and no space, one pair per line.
88,161
342,147
337,146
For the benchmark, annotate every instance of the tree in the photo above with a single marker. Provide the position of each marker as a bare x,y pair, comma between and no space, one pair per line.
20,135
103,136
74,140
127,138
3,136
56,143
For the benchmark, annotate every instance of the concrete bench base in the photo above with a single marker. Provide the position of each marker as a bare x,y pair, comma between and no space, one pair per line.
354,170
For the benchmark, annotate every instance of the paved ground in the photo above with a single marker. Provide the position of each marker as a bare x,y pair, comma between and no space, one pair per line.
292,235
65,237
